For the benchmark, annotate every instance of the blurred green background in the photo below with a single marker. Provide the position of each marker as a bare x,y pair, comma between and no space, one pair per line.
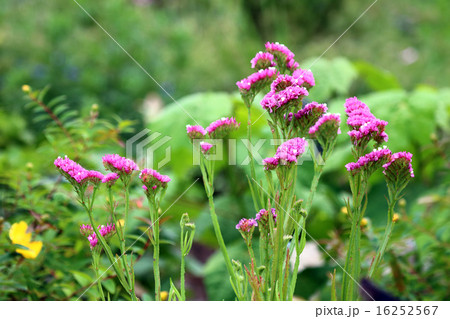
395,58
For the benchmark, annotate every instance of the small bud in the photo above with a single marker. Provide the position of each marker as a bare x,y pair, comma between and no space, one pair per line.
402,203
364,222
395,218
433,137
26,88
344,210
236,265
164,295
94,107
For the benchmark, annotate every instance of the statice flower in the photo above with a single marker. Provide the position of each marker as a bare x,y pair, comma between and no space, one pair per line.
285,93
71,170
257,81
86,230
195,132
270,163
283,56
288,152
107,231
306,117
327,126
205,147
304,78
247,225
153,180
110,178
370,162
222,127
119,164
94,177
364,126
262,60
399,167
93,240
263,216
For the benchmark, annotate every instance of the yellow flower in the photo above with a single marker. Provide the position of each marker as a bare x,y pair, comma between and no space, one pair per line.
26,88
395,218
344,210
18,235
164,295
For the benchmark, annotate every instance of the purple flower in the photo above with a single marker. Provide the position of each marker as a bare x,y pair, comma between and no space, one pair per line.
283,56
222,127
270,163
71,170
107,231
153,180
328,124
119,164
289,151
93,240
399,166
257,80
304,77
195,131
205,147
94,177
364,126
262,60
263,216
86,230
110,179
371,161
246,225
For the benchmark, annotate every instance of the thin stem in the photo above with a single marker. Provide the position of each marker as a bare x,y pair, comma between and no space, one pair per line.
387,235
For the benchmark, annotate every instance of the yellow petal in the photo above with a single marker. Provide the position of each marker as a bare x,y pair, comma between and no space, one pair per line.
18,233
34,250
164,295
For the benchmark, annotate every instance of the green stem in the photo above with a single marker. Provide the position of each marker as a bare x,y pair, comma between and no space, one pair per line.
182,275
155,222
95,263
249,148
387,235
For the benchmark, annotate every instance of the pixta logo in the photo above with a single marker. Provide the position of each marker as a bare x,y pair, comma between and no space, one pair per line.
143,146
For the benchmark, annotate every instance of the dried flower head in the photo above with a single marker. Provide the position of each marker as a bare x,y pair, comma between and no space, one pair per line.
153,180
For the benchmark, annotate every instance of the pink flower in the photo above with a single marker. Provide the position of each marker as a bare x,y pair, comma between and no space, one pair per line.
110,179
289,151
93,240
283,56
399,166
222,127
205,147
263,216
304,77
153,180
371,161
246,225
94,177
107,230
292,95
86,230
119,164
327,123
257,80
195,131
262,60
73,171
270,163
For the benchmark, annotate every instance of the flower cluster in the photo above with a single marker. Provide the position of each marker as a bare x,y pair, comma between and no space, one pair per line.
304,78
306,117
263,216
118,164
285,92
257,81
107,230
364,126
247,225
86,230
399,167
153,180
262,60
195,132
73,171
110,179
326,128
289,151
205,147
283,56
222,127
370,162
